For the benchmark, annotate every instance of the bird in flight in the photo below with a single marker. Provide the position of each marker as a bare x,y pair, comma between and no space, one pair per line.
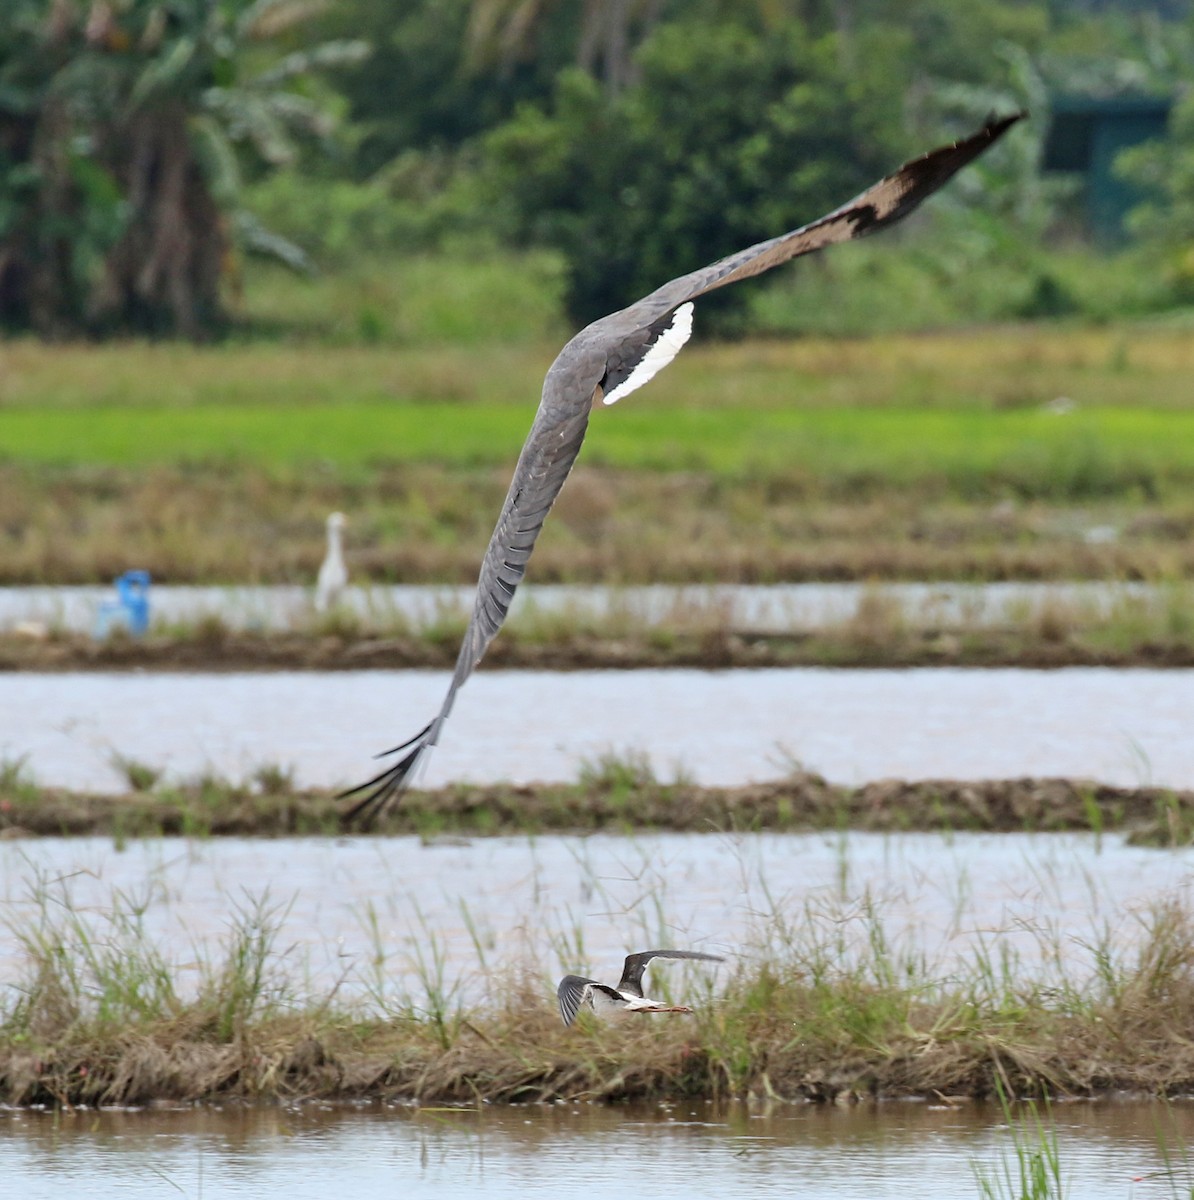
576,992
608,360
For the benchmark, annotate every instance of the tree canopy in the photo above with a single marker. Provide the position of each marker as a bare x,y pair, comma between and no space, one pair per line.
120,127
142,141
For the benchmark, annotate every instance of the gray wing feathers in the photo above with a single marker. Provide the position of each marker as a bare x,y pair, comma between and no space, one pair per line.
546,459
571,994
601,356
636,964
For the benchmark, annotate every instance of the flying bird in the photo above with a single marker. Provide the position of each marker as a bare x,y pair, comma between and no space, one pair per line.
333,574
576,992
608,360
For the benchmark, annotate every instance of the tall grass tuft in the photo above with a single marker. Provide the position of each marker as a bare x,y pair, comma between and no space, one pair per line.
819,1000
1033,1169
86,970
245,985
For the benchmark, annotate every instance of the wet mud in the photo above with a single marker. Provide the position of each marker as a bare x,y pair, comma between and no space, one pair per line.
805,801
227,650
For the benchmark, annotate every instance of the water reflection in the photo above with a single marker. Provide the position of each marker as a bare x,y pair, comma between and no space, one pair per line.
1107,1149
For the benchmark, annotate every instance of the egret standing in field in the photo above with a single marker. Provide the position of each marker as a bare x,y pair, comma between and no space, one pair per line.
333,572
608,360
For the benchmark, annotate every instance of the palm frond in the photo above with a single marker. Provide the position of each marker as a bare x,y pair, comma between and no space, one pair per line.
248,118
264,19
343,52
255,238
163,71
217,158
300,113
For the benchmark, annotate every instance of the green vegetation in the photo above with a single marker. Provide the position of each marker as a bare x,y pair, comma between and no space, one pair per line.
147,149
120,129
936,456
618,793
820,1004
746,125
1032,455
1033,1170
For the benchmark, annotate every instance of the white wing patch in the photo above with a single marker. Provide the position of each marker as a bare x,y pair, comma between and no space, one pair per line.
666,347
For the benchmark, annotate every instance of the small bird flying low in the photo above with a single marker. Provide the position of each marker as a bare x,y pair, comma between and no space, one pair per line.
576,992
605,362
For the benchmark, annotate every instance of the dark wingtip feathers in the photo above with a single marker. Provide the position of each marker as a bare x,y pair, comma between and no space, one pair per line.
921,177
386,787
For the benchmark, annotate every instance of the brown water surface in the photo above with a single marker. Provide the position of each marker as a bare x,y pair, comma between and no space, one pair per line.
1106,1150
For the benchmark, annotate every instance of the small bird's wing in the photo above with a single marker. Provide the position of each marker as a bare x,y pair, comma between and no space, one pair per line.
607,360
636,964
571,993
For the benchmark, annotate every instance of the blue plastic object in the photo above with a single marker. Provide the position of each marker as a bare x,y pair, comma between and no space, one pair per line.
130,608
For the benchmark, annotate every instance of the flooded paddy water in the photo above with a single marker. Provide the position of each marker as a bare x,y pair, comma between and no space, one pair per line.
380,920
1110,1150
1128,727
766,608
367,915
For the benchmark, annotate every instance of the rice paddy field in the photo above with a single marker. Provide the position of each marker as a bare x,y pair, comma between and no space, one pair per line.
1028,452
994,454
1053,453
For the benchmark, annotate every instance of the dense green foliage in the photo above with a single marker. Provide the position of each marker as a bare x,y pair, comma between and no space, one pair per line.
728,139
120,124
664,132
699,126
1168,218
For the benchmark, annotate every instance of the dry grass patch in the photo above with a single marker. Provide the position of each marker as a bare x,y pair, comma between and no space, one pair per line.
819,1005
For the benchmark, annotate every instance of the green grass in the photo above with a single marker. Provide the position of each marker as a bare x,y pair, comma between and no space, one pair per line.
905,283
967,409
819,1001
1032,454
1033,1170
895,456
1125,364
485,296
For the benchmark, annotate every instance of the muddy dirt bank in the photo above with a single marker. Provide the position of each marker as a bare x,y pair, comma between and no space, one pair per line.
222,650
802,802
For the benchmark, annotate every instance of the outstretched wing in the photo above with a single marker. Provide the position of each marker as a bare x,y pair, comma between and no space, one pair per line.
571,994
636,964
547,457
607,360
882,204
